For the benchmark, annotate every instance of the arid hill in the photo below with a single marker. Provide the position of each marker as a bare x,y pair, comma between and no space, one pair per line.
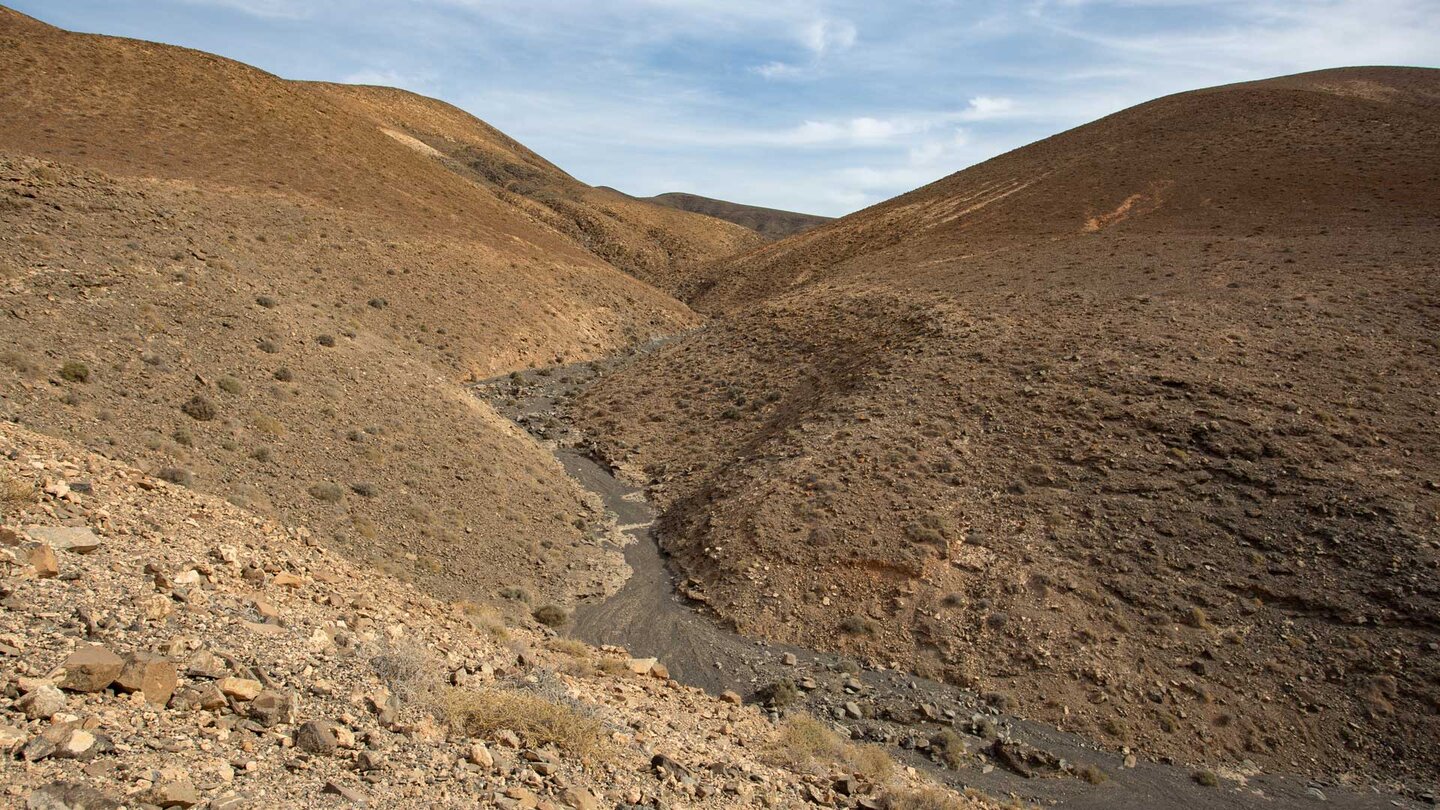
1132,428
770,223
272,291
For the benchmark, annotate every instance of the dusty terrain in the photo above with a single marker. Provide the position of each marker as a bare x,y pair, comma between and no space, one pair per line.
162,648
770,223
1133,429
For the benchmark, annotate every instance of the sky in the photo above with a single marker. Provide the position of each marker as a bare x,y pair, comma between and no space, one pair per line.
821,106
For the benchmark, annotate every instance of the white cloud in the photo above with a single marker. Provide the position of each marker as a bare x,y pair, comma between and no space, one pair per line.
982,108
824,35
778,70
272,9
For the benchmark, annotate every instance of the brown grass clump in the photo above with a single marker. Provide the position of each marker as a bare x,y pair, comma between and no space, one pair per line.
410,671
75,371
551,615
537,721
199,408
928,798
802,740
16,493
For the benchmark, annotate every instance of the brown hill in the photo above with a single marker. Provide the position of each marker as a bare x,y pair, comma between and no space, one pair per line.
1132,428
179,228
770,223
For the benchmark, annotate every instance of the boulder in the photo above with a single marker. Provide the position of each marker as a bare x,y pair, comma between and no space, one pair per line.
74,539
152,675
272,708
90,669
42,703
42,558
241,688
316,737
69,796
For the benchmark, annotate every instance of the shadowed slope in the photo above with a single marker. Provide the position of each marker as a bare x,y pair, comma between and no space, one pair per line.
770,223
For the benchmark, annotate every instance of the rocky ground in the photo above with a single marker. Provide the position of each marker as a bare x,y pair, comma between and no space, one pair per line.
960,737
160,647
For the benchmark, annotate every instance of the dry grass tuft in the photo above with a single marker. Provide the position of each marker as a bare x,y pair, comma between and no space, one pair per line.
927,798
537,721
16,493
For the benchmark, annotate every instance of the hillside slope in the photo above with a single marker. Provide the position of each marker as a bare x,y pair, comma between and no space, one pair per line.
1132,428
235,280
770,223
652,242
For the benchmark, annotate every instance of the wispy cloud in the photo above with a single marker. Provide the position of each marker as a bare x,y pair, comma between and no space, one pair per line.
819,105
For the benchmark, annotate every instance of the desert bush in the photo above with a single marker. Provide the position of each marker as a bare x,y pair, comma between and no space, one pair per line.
268,425
1092,774
1206,778
571,647
268,346
927,798
75,371
781,693
326,491
537,721
378,303
409,671
283,374
949,748
516,593
857,626
326,340
870,762
183,437
265,301
365,489
176,475
801,740
199,408
550,615
15,492
262,454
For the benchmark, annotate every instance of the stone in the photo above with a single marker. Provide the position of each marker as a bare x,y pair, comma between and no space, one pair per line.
241,688
42,558
11,740
660,671
580,798
370,761
789,659
206,664
852,710
348,794
80,744
272,708
287,580
731,697
316,737
174,791
69,796
47,742
42,703
74,539
480,755
91,668
641,666
154,676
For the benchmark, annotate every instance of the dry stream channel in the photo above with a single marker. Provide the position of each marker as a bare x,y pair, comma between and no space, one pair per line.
1008,755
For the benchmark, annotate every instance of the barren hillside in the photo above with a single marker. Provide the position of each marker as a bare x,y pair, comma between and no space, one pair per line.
239,282
1132,428
770,223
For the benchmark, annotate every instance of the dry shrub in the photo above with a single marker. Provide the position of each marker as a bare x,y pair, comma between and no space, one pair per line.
15,492
537,721
485,618
571,647
926,798
870,762
410,671
802,740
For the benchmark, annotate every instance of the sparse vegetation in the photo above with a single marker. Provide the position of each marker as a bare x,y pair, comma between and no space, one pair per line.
949,748
176,475
266,301
779,694
230,385
365,489
199,408
16,493
1206,778
409,671
801,740
858,626
75,371
537,721
1092,774
283,374
326,340
550,615
927,798
516,593
326,492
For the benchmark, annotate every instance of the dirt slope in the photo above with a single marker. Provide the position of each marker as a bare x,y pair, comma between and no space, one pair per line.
179,226
770,223
654,243
1132,428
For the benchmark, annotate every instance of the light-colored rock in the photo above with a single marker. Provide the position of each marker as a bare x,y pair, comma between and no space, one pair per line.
42,558
641,666
42,703
480,755
74,539
241,688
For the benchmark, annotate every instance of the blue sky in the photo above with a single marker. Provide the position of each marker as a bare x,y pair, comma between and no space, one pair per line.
811,105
